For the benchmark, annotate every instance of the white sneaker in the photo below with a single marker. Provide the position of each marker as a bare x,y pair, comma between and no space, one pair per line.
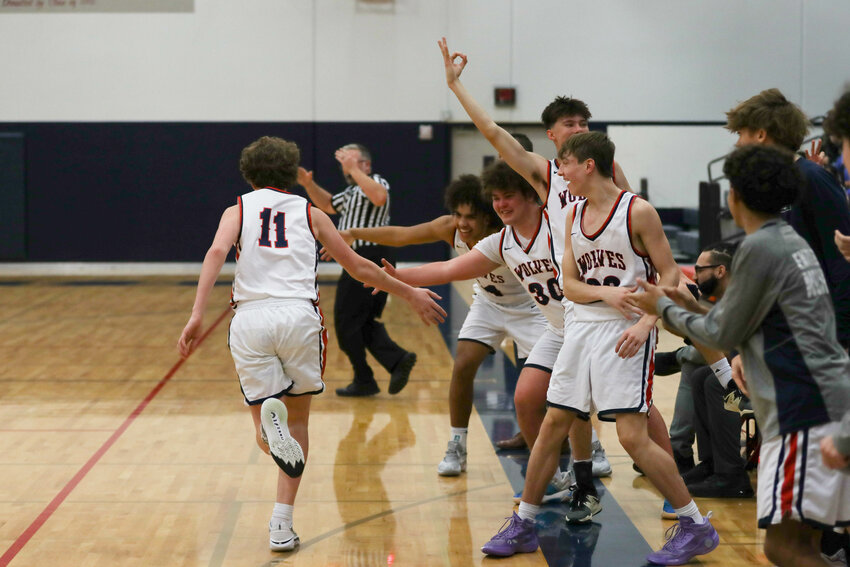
558,489
838,559
285,450
601,466
282,538
454,462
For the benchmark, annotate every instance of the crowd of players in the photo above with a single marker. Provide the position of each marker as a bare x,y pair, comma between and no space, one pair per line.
577,271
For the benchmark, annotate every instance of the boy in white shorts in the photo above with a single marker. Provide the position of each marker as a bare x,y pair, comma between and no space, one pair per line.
500,306
524,246
276,337
612,239
778,313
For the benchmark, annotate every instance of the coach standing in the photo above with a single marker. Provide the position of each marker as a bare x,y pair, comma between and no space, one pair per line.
364,203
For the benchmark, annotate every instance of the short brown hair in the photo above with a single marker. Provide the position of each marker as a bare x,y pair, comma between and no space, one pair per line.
563,106
837,121
591,145
500,176
769,110
270,162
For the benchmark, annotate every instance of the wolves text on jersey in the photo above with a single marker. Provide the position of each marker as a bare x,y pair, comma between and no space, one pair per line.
533,267
600,259
568,198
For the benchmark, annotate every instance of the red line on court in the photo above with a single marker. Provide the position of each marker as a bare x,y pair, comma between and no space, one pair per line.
22,540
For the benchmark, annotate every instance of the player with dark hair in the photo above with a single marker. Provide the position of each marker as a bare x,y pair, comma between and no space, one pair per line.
777,312
769,118
277,338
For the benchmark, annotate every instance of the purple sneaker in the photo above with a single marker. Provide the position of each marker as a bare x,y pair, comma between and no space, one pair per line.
515,536
686,540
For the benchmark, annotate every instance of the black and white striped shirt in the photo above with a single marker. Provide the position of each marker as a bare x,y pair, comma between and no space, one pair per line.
357,211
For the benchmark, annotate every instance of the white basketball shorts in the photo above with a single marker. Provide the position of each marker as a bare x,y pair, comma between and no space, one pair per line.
279,348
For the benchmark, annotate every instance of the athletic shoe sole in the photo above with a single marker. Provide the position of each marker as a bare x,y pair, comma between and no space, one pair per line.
284,545
285,450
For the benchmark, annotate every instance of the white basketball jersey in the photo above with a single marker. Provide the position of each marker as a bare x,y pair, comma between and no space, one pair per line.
536,269
276,251
607,257
558,205
499,286
559,202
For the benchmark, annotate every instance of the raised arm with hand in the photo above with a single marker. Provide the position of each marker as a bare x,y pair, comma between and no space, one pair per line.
319,196
225,238
533,167
421,300
374,191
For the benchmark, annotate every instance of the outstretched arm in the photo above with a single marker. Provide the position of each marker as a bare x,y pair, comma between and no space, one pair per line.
320,197
441,228
533,167
225,238
421,300
473,264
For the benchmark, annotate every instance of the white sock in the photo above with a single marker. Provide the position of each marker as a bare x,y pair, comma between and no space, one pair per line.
722,371
527,511
459,435
691,511
282,514
593,436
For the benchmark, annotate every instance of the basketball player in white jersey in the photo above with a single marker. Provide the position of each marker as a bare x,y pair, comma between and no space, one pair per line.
277,338
500,306
525,247
563,117
614,239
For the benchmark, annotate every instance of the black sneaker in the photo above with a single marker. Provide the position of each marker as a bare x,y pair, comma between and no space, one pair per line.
401,372
359,390
583,505
666,363
699,473
723,486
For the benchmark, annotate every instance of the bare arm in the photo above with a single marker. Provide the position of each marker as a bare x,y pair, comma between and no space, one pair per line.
533,167
421,300
473,264
374,191
225,238
320,197
441,228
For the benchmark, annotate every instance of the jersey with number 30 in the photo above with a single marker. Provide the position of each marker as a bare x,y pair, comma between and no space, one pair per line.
276,250
533,265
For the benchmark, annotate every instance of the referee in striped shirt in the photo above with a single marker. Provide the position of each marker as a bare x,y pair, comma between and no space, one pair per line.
364,203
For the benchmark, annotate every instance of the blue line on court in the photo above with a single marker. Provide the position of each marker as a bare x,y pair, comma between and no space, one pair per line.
610,540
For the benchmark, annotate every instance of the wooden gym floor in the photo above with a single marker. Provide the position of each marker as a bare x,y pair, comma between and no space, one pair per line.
113,451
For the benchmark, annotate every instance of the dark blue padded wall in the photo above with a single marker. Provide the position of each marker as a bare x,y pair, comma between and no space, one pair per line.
12,197
113,192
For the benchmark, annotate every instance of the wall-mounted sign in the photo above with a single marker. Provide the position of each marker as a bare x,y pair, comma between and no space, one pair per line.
89,6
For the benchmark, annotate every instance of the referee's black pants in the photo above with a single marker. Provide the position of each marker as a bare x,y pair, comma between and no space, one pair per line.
357,330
